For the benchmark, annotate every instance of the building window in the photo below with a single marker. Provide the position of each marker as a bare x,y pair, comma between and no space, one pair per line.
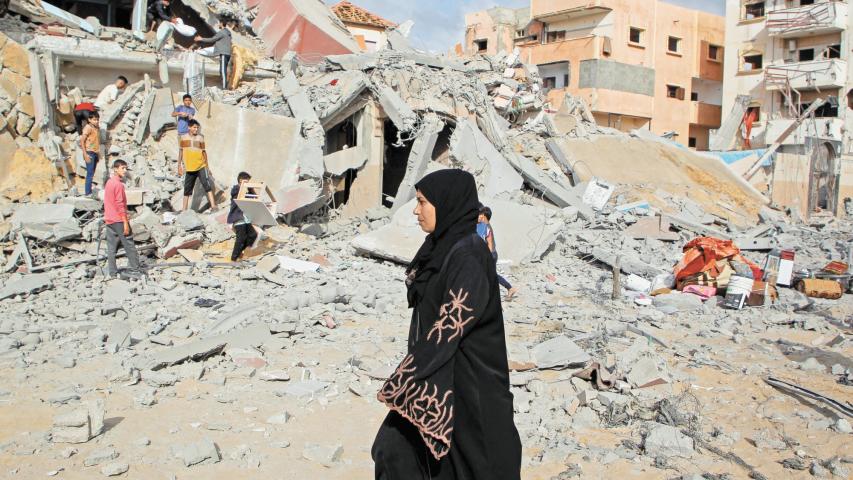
481,45
556,36
566,80
694,96
549,82
753,10
691,142
806,55
833,51
714,53
753,62
673,44
806,2
674,91
635,35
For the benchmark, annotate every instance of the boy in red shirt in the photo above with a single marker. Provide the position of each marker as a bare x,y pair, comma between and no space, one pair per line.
115,218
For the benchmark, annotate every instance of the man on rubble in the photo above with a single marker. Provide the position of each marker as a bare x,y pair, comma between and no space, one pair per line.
111,92
159,12
117,222
221,47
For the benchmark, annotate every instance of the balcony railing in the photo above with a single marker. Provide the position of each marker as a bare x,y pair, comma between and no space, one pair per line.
818,18
806,75
705,114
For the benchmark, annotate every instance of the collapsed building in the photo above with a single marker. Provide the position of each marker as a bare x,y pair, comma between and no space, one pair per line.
339,135
786,102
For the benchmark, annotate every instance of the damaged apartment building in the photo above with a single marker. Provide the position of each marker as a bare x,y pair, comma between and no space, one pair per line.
787,90
639,65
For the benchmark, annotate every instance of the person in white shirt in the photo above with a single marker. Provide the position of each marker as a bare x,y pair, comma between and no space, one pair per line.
111,92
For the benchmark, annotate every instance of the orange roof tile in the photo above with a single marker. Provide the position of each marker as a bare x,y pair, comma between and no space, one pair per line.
349,13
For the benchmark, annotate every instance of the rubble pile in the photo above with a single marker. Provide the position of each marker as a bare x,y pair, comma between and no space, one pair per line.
628,356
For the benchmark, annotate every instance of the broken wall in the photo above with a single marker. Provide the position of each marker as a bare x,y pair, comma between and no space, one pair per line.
260,143
17,108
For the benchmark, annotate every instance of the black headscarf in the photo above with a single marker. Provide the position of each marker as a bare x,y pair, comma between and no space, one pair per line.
454,195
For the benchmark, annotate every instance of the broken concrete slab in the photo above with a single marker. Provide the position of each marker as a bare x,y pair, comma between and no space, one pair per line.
646,373
249,337
339,162
495,176
559,351
647,228
303,194
677,302
240,139
26,285
303,388
301,107
419,159
46,222
327,456
203,452
21,254
143,121
627,264
668,441
184,242
115,109
399,240
232,318
400,113
160,118
757,244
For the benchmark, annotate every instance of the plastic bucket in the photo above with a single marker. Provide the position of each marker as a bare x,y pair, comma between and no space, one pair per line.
738,292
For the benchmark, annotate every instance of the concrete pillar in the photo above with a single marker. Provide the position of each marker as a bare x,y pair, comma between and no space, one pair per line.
366,190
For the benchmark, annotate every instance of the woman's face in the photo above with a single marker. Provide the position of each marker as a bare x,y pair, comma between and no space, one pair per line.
425,212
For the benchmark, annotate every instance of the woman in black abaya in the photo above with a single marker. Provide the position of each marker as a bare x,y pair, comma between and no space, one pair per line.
451,408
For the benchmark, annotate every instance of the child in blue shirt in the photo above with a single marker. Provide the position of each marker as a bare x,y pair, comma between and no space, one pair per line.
484,230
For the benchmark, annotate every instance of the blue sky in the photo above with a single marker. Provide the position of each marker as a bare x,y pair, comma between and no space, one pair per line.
440,24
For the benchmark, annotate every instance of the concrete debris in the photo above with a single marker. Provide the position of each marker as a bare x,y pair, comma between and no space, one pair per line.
79,425
559,352
25,285
204,452
474,153
45,222
325,455
668,441
399,240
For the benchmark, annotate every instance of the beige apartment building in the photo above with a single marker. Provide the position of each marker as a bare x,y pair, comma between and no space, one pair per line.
782,56
643,64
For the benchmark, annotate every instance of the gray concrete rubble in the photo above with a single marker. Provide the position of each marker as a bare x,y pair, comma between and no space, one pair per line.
399,240
200,366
